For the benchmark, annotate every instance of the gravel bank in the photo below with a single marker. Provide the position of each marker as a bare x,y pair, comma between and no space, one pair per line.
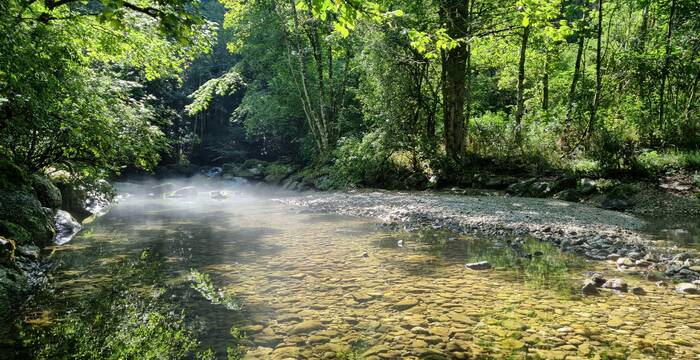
594,232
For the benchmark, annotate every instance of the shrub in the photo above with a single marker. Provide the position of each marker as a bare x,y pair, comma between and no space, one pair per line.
368,162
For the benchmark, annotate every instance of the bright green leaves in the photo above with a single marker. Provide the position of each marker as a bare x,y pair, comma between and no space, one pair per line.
542,14
430,44
228,84
346,13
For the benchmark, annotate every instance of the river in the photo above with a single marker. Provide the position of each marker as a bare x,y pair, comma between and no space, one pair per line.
314,285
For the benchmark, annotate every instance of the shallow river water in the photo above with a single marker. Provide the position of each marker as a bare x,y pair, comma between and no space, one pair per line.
325,286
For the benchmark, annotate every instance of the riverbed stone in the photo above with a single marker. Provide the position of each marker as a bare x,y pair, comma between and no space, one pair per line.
589,288
376,349
687,288
616,284
624,262
306,327
286,352
637,290
480,265
406,303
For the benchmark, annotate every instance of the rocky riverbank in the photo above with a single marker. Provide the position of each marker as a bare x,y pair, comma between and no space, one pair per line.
35,212
596,233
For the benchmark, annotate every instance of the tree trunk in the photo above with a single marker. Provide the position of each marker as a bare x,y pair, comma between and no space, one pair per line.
545,83
598,74
667,62
468,97
570,106
520,107
454,14
310,114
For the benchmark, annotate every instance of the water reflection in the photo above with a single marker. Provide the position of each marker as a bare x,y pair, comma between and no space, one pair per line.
331,286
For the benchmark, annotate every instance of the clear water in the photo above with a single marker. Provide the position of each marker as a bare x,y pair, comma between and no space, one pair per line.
326,286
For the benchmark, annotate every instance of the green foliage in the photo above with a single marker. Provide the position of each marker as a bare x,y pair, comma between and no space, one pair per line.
369,162
65,99
227,84
118,321
204,286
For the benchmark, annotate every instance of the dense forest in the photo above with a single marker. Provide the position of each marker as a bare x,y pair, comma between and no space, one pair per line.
370,92
199,113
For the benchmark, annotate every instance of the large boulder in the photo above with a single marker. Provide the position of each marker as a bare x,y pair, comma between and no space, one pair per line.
275,173
586,186
66,227
7,250
540,189
14,231
12,177
74,198
48,194
563,183
621,197
567,195
25,211
520,188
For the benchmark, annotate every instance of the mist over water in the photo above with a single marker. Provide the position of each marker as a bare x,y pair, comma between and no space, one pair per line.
313,284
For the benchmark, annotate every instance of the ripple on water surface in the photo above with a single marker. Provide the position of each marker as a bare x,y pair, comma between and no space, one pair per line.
329,286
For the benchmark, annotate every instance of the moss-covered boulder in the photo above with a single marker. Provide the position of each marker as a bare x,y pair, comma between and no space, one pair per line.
48,194
12,177
275,173
7,250
25,211
620,197
260,170
14,231
74,198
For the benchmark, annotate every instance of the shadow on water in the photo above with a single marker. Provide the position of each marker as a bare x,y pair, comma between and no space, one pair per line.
534,263
682,230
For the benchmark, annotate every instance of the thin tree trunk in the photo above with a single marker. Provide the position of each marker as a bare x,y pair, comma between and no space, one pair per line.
545,83
598,74
689,105
468,97
520,106
571,104
667,62
315,40
571,101
305,98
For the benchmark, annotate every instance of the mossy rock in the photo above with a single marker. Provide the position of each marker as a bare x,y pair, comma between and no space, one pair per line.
73,199
12,177
48,194
15,232
275,173
7,250
24,210
623,191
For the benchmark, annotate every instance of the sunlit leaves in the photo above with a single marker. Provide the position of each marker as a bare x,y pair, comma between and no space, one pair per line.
543,14
430,44
226,84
